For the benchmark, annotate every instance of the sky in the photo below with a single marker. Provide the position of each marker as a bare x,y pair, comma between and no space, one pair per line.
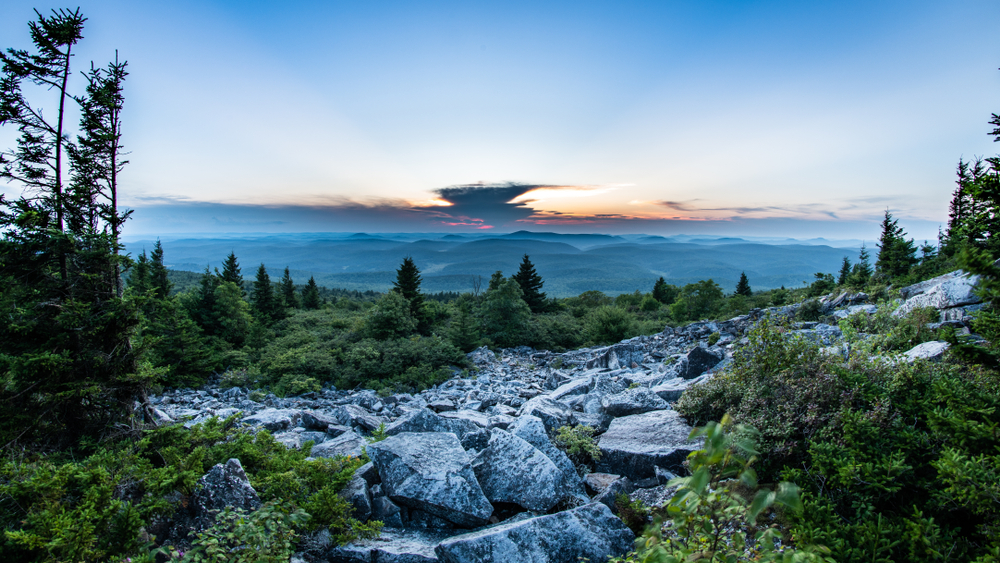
781,118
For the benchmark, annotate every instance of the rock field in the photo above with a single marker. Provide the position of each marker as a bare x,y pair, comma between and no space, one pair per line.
469,471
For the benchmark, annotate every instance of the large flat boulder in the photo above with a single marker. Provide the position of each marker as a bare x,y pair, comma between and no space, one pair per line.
635,445
392,546
430,471
275,420
553,414
424,420
513,471
954,289
590,531
632,401
618,356
347,444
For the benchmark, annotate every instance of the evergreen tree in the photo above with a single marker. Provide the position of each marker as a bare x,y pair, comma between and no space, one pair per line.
265,302
495,280
861,273
231,272
138,280
845,271
463,332
531,285
310,295
288,291
389,318
407,284
743,286
158,278
68,367
665,293
504,316
201,307
896,254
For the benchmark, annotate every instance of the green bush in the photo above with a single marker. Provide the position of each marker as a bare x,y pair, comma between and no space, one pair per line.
608,324
579,444
71,507
713,515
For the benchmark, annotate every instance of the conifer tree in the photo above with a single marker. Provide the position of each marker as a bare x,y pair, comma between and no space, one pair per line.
504,316
463,332
531,285
264,301
201,308
896,254
407,284
310,295
743,286
231,271
664,292
138,280
288,291
845,271
861,273
495,280
158,279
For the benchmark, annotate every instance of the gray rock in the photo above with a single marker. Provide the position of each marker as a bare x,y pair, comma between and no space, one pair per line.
368,473
633,401
697,361
954,289
597,421
441,405
349,443
634,445
387,512
609,496
355,416
392,546
618,356
225,485
319,421
532,430
275,420
578,386
590,531
431,472
297,439
672,389
479,419
931,351
552,413
476,441
855,309
513,471
356,493
820,333
423,420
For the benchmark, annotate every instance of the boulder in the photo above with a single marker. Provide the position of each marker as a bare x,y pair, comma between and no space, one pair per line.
297,438
632,401
225,485
355,416
589,531
532,430
275,420
578,386
356,493
634,445
951,290
618,356
319,421
931,351
423,420
609,496
349,443
513,471
696,362
552,413
431,472
392,546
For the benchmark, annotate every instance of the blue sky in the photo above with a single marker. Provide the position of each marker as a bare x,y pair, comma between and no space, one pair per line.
755,118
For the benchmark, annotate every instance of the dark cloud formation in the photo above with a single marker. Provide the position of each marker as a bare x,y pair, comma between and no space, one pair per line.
485,205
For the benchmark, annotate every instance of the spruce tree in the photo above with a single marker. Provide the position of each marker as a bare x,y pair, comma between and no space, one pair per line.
158,279
288,291
495,280
407,284
743,286
463,332
531,285
264,300
861,273
664,292
896,254
201,307
310,295
138,280
231,271
845,271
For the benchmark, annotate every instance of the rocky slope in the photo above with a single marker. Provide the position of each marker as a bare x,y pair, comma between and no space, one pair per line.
469,471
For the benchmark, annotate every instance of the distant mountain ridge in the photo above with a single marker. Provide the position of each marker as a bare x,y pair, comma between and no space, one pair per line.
569,263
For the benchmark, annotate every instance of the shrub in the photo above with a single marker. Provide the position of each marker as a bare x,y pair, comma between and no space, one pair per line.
634,513
608,324
713,338
578,443
810,310
712,517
